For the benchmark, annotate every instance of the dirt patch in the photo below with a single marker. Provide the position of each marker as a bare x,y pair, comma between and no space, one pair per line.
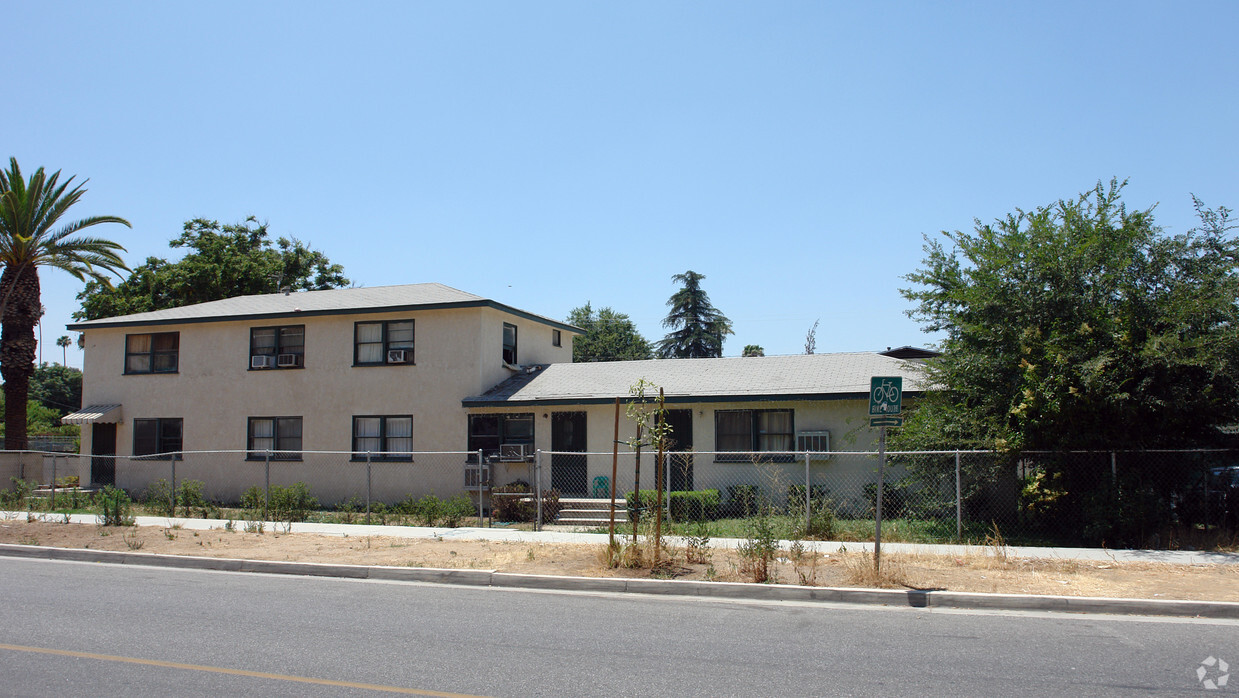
983,571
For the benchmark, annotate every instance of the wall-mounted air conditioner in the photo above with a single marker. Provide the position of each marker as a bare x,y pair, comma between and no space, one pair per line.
816,442
262,361
397,356
288,360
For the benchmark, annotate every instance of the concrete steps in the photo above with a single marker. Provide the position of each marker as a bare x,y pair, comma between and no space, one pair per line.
579,511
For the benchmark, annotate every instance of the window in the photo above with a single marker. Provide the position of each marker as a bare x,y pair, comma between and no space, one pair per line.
380,343
277,347
488,432
281,436
156,436
556,340
509,344
751,431
385,438
152,353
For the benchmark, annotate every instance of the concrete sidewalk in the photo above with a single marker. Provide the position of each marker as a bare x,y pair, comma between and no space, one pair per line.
914,598
560,535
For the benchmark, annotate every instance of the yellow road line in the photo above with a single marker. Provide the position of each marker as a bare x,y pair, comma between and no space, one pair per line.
233,672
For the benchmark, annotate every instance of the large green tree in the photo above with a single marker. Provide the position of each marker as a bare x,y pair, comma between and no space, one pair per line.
1079,325
609,336
32,235
57,387
223,261
697,327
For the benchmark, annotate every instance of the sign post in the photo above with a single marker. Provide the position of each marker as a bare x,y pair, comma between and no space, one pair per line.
885,406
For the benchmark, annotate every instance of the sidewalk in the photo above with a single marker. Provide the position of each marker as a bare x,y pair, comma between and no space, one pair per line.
914,598
561,534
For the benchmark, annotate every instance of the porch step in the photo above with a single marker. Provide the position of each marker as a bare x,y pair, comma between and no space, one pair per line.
580,511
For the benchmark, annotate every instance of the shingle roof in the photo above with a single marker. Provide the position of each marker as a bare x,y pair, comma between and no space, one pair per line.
805,376
329,302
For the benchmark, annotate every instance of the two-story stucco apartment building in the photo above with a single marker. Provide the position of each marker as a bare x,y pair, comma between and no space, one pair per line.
426,368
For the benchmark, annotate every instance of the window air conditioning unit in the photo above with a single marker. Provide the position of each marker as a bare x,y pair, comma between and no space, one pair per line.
263,361
287,360
512,453
816,442
397,356
477,478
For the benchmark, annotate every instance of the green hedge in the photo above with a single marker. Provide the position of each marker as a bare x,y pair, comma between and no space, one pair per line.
694,505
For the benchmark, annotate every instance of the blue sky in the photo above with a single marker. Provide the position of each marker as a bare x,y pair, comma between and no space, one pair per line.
548,154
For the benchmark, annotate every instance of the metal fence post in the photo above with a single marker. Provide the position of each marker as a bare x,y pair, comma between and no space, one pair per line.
537,488
959,502
172,492
1114,472
808,514
266,491
368,488
54,459
481,479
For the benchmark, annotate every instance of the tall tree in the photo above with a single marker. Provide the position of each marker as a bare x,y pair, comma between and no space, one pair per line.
63,342
753,350
609,336
810,338
1079,325
697,327
223,261
57,387
32,236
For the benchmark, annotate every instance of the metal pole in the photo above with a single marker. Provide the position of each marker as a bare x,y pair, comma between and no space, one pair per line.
877,513
537,488
808,514
1114,472
367,488
54,458
482,479
614,471
634,509
266,492
959,508
172,494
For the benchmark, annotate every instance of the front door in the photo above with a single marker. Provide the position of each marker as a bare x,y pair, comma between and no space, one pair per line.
103,452
568,471
680,441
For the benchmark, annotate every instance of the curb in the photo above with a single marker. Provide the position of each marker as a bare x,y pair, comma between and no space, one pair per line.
715,590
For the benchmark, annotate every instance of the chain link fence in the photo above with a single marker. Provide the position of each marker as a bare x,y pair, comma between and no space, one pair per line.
1146,499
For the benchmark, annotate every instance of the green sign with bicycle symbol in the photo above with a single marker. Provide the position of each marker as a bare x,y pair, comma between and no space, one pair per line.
885,396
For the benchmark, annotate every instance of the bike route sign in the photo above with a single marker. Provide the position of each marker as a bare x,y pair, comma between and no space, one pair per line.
885,396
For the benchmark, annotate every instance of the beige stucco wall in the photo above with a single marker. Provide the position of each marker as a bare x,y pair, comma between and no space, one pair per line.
847,421
458,353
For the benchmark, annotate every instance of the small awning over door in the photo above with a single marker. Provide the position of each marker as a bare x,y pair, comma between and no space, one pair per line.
106,414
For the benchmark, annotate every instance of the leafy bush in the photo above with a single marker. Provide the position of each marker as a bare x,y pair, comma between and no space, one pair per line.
427,510
292,503
457,509
742,500
690,505
760,547
894,499
254,501
16,498
523,509
504,506
115,507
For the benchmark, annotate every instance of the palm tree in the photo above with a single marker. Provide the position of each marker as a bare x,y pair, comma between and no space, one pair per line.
63,342
29,238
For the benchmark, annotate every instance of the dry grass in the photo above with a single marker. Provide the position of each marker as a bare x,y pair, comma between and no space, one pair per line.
982,569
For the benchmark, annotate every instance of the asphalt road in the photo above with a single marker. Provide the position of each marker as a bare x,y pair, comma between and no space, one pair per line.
101,630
